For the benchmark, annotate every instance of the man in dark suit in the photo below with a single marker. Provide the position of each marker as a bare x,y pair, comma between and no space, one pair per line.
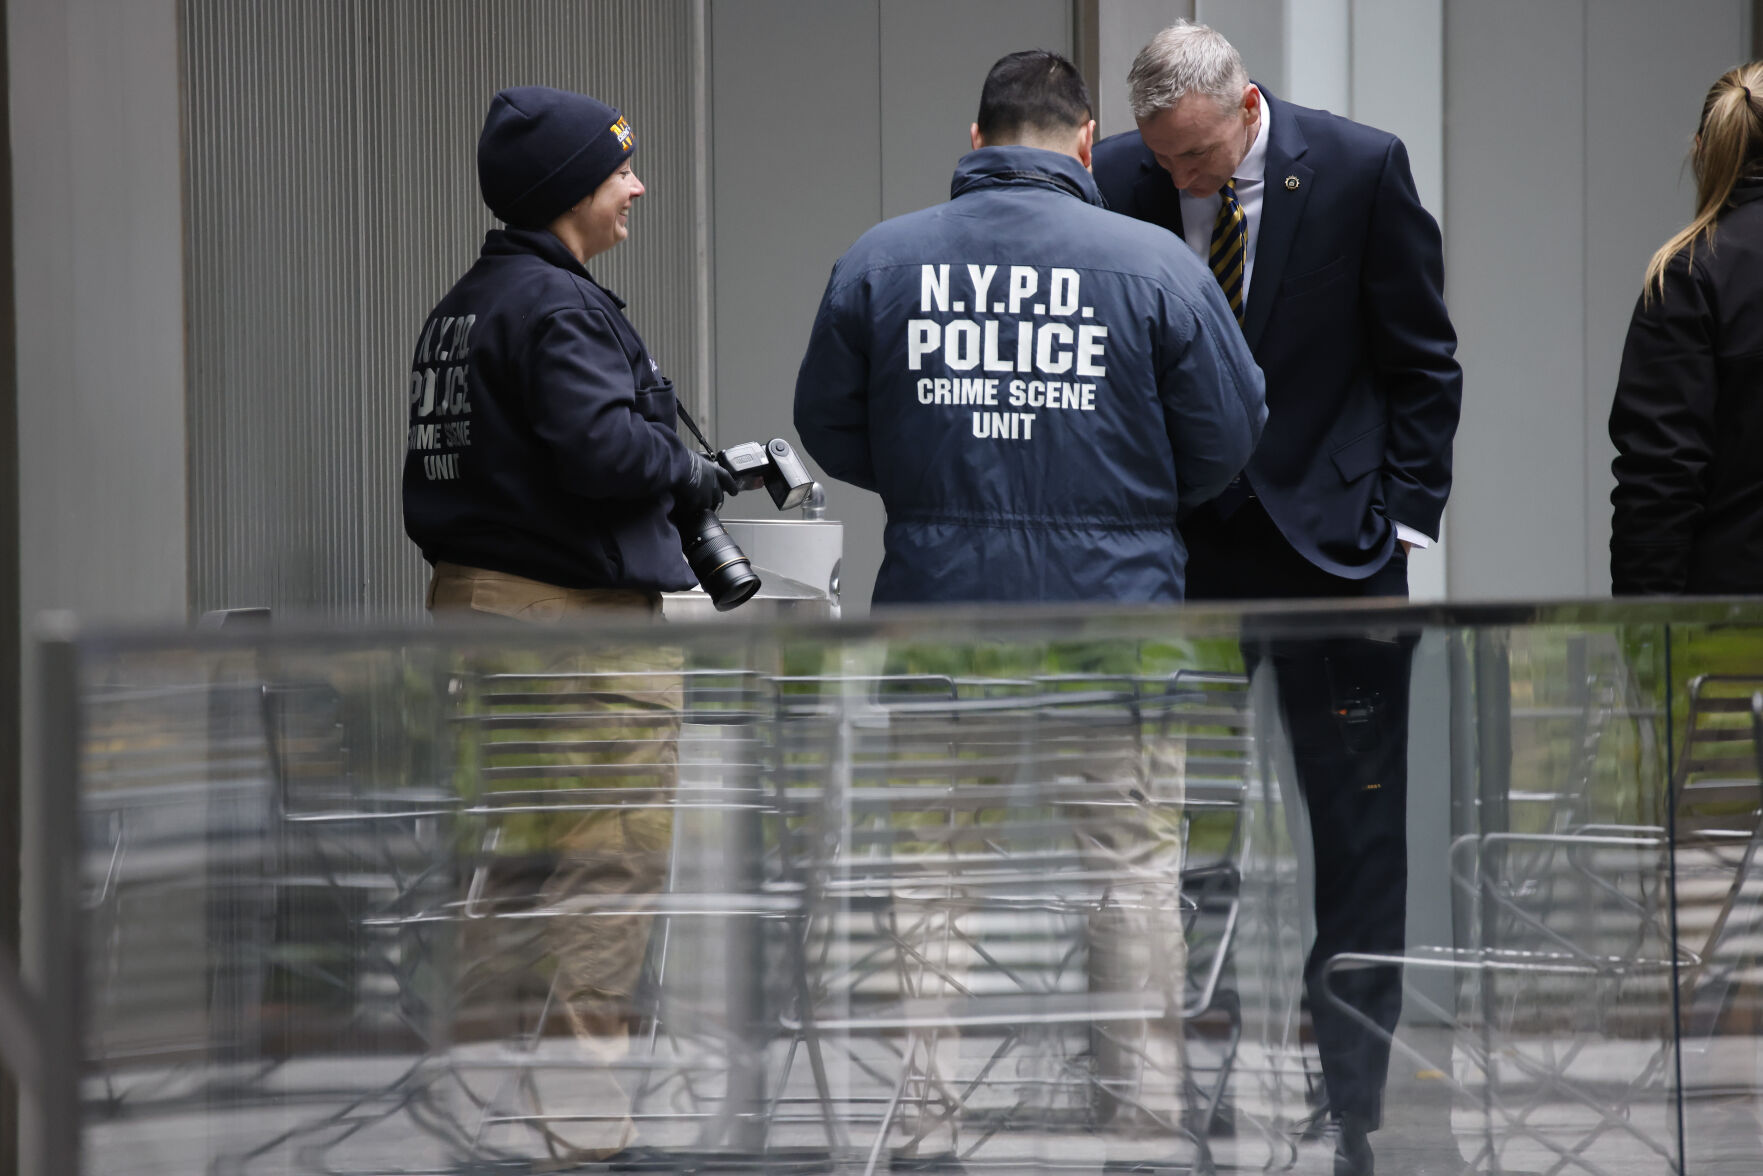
1313,227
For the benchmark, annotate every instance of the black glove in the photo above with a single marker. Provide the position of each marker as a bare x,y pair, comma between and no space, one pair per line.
705,487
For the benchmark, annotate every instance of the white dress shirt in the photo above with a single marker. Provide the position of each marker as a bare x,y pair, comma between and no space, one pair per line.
1200,213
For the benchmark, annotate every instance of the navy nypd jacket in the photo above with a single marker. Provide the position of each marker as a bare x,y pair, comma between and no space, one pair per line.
1034,385
542,437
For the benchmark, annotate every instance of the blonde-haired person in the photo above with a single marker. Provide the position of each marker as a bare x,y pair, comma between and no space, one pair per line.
1688,416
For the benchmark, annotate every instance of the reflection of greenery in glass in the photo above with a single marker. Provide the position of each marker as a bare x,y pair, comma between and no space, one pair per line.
1691,651
1032,659
998,669
549,727
1584,750
1724,737
1697,650
1714,649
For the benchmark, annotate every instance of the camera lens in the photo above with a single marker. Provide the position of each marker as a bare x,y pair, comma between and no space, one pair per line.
718,562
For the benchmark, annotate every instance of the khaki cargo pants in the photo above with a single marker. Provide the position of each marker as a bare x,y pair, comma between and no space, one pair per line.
558,915
1121,792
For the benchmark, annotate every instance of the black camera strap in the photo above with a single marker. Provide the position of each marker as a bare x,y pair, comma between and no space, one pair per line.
693,426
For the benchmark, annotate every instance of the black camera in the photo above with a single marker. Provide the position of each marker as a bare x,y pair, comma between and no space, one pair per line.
722,568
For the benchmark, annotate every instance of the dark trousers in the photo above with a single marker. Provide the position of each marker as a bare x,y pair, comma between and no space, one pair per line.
1344,701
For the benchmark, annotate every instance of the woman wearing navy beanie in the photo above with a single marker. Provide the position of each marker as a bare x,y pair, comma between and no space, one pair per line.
541,472
542,439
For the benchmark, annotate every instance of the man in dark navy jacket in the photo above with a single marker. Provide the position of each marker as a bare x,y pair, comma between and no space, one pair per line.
1035,386
1313,229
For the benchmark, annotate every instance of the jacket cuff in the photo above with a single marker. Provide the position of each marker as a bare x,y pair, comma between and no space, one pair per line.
1648,569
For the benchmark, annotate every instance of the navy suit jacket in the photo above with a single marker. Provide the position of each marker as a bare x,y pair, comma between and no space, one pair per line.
1346,316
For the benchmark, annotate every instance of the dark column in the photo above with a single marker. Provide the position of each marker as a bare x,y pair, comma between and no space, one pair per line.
1086,44
9,618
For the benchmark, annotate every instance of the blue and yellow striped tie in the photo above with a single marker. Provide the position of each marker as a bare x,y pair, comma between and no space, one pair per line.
1230,240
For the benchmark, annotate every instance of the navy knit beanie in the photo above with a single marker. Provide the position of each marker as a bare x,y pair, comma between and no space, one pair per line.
542,150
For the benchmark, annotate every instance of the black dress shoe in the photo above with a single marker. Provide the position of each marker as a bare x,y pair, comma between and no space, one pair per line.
1352,1147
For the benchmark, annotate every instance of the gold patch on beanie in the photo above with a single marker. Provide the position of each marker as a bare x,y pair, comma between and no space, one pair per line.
622,129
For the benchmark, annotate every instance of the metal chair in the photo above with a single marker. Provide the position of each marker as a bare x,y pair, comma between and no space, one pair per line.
950,983
1580,944
557,758
233,889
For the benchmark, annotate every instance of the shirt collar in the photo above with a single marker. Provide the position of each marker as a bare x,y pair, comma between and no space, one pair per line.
1253,169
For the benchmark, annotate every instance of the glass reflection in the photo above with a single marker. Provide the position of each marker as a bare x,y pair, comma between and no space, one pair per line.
928,898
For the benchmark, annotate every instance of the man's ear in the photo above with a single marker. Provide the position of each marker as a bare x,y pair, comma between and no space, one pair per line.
973,137
1086,139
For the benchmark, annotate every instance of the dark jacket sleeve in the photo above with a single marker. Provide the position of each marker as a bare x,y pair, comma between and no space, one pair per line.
1214,397
583,405
832,388
1662,423
1412,348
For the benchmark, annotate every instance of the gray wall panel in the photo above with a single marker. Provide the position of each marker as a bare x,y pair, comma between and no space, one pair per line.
784,208
934,58
93,103
1397,60
1397,77
11,665
1565,150
100,327
1319,55
1514,142
332,201
1123,27
1258,30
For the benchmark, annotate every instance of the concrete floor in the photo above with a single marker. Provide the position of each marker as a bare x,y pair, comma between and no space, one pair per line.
382,1116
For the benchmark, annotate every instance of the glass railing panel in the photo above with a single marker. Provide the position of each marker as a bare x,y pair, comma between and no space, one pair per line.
1021,860
1028,892
1562,1046
1716,673
263,830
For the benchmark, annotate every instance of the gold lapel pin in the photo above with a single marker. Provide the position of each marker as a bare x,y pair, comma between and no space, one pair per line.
1291,183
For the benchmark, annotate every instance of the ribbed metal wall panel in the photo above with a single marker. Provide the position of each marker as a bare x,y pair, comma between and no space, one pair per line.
331,200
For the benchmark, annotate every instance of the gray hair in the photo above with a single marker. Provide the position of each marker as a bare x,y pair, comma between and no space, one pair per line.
1184,59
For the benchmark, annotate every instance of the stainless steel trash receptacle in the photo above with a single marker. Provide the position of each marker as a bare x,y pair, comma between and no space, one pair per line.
798,562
